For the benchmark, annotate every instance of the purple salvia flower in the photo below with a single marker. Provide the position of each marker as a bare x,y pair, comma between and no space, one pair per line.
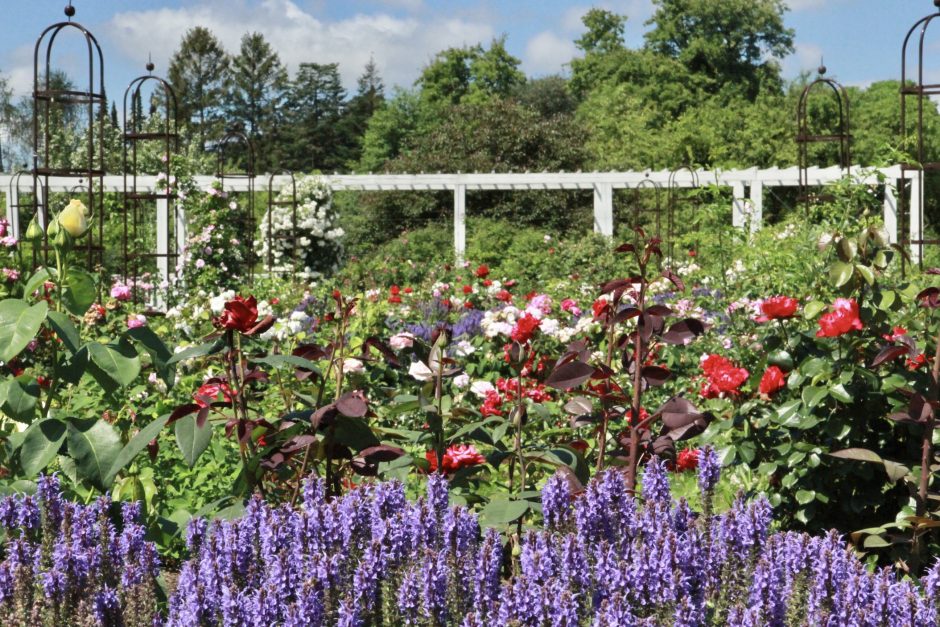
314,493
348,615
562,604
107,607
409,598
195,533
434,580
614,612
50,496
27,516
487,583
709,471
437,493
556,502
366,579
656,482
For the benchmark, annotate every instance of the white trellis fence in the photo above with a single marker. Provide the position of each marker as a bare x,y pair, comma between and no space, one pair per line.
747,190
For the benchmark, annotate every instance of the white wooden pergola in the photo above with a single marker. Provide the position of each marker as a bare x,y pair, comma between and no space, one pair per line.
747,188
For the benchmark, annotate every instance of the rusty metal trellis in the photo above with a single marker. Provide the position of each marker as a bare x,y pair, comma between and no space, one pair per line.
656,210
232,138
672,203
48,100
17,205
841,135
914,173
136,202
292,203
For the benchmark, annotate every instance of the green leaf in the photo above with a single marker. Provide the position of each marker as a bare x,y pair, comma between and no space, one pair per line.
121,364
812,309
94,445
839,393
208,348
280,361
840,273
354,433
813,396
875,542
18,398
39,277
79,292
504,511
66,331
19,324
191,439
136,445
866,273
41,445
160,355
804,497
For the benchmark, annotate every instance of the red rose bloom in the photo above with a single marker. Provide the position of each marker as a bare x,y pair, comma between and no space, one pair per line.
482,271
456,457
394,290
240,314
687,460
525,328
492,404
208,393
487,283
896,334
468,289
408,290
504,296
777,308
722,377
395,299
600,308
772,381
843,318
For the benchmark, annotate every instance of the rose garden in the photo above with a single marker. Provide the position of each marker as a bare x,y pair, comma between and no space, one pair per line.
229,397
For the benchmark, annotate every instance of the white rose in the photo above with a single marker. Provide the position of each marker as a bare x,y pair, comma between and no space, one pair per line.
420,371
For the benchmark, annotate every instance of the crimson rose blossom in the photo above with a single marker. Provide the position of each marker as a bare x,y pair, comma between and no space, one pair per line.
456,457
772,381
482,271
687,460
525,328
843,318
240,314
723,377
777,308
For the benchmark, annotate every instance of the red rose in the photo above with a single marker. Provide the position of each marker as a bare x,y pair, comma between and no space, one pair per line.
504,296
467,289
492,404
487,283
772,381
408,290
394,290
208,393
482,271
467,305
843,318
456,457
896,334
240,314
600,308
687,460
525,328
722,377
777,308
394,299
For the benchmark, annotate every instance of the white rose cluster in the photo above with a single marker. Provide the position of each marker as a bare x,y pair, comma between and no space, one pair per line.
315,238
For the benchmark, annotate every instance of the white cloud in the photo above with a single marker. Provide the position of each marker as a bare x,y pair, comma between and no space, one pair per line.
400,45
546,52
805,58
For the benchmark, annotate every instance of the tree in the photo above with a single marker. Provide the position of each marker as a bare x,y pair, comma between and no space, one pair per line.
199,72
256,93
729,42
604,32
369,98
315,105
470,73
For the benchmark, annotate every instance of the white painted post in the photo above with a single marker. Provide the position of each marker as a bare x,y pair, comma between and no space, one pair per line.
604,209
891,214
757,205
460,222
738,208
163,245
180,233
916,212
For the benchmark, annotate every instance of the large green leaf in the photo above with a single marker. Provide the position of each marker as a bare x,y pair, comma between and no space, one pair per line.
19,324
159,353
39,277
280,361
66,331
121,363
18,398
354,433
136,445
79,292
504,511
94,445
197,351
192,439
41,445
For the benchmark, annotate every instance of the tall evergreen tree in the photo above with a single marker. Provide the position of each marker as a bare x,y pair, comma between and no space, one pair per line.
369,98
256,93
199,72
316,105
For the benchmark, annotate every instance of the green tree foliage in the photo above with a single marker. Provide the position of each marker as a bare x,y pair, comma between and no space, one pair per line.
315,107
369,98
470,74
255,93
729,43
199,74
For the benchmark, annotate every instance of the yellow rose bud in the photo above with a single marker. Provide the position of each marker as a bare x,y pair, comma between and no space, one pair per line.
34,230
62,241
53,229
73,219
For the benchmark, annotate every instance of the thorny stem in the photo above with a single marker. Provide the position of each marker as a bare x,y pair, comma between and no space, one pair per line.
520,402
605,417
634,423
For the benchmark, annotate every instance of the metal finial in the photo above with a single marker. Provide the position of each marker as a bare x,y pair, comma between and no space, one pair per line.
150,64
822,65
936,3
70,10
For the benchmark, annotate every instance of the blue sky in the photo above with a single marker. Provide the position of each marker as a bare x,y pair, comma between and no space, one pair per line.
860,39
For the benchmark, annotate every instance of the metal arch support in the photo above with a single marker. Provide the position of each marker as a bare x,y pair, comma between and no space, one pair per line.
166,255
657,210
911,210
805,135
672,204
45,99
234,137
272,203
